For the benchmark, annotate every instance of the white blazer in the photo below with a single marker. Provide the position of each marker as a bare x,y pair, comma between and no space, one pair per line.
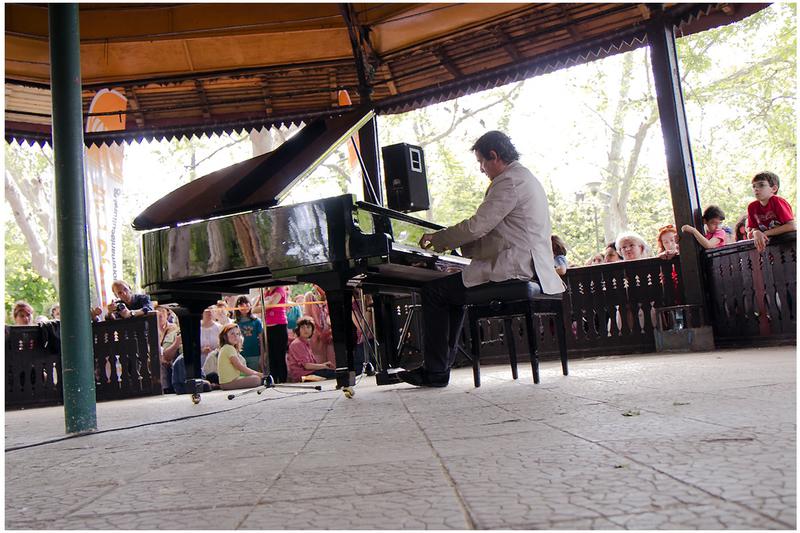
508,237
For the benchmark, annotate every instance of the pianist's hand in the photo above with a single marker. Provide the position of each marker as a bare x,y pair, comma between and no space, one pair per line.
425,241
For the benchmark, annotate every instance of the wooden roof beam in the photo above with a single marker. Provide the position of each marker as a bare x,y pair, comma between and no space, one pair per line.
447,63
573,31
265,92
361,49
508,44
201,93
133,101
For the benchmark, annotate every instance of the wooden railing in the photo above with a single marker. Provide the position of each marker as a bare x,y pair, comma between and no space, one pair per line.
125,362
753,296
610,308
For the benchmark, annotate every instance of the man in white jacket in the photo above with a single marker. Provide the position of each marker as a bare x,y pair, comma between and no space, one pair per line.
507,238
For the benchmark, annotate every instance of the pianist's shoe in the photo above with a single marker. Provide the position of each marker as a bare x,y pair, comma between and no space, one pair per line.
422,378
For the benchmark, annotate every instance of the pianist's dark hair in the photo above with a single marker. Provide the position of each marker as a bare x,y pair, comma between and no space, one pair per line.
239,301
304,321
497,141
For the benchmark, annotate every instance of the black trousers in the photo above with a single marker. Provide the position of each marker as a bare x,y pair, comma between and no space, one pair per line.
442,308
277,344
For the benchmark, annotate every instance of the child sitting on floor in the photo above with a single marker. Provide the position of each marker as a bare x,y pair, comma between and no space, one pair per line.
300,360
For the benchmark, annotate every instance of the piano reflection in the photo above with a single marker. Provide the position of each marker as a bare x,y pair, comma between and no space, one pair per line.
225,233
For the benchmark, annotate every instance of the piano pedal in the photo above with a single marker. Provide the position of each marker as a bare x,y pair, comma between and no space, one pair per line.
384,377
195,387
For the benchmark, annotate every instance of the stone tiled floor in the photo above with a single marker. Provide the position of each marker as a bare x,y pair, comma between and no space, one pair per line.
711,445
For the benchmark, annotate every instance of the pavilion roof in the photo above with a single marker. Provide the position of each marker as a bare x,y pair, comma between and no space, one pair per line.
193,69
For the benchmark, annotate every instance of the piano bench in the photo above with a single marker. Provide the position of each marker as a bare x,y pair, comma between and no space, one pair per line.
508,299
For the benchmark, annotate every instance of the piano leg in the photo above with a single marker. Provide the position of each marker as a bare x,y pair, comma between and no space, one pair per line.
340,306
190,313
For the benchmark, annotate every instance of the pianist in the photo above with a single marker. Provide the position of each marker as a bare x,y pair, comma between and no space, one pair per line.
508,237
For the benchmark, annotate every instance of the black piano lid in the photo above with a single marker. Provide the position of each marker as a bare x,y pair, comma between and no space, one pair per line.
257,183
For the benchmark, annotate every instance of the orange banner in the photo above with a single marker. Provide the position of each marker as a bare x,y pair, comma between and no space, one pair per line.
103,166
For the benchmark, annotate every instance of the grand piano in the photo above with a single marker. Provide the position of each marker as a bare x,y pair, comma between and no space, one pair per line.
225,233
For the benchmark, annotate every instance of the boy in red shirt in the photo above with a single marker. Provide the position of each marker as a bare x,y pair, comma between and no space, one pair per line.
770,214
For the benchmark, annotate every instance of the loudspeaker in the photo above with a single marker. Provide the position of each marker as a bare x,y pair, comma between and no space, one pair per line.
405,178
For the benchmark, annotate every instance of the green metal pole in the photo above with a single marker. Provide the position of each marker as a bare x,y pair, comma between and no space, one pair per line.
77,357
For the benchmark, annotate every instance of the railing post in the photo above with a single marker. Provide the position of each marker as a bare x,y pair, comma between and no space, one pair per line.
77,360
680,165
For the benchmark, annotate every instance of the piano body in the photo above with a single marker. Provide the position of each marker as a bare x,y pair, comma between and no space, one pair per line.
224,234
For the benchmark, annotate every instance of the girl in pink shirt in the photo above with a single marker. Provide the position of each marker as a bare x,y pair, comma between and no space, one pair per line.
300,360
715,235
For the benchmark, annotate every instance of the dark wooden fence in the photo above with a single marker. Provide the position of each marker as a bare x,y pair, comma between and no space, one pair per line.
753,296
610,308
125,362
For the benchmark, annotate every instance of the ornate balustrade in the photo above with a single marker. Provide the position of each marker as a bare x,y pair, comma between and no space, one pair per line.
610,308
753,296
125,362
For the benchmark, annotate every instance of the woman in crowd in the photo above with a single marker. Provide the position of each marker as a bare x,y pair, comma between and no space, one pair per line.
632,246
169,341
22,313
54,312
127,304
251,330
275,299
611,255
322,339
231,366
667,242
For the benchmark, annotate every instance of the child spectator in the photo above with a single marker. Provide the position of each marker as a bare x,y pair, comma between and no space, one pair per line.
611,254
277,335
22,313
300,360
632,246
209,335
231,366
322,339
293,315
127,304
559,254
740,229
596,259
715,235
220,313
769,214
252,332
667,242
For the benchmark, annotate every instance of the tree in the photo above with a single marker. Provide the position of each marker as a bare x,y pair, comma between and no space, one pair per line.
30,191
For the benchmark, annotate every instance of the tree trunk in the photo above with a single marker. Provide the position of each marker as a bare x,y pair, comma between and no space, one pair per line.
42,247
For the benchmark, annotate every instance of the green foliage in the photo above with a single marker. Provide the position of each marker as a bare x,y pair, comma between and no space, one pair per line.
22,283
